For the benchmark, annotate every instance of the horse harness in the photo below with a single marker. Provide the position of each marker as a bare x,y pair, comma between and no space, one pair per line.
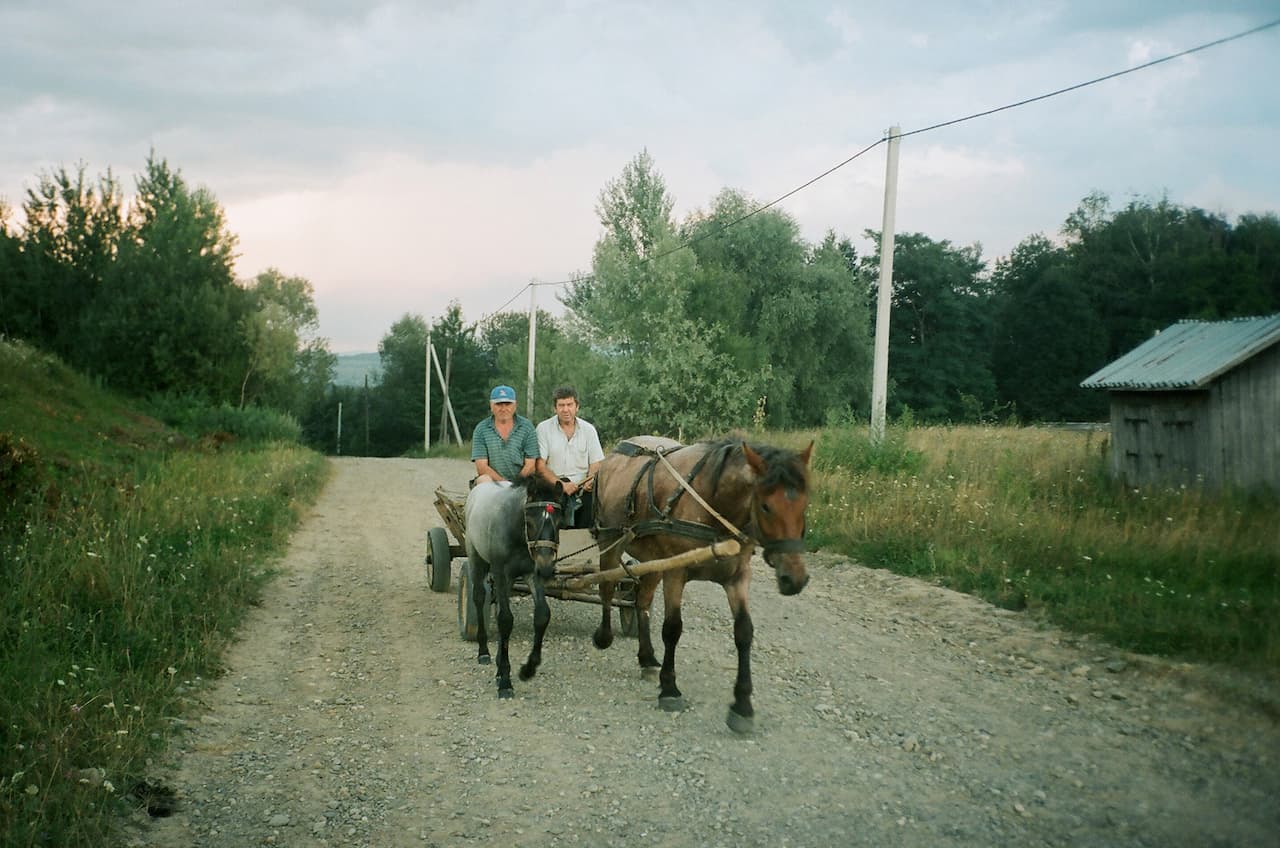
664,523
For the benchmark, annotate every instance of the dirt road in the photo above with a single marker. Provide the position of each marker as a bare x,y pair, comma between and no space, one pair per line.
889,712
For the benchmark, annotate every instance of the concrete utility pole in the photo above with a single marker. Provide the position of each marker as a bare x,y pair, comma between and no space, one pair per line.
426,397
880,368
533,334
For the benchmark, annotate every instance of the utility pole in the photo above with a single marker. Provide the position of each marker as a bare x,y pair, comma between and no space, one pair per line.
339,428
533,334
880,368
426,397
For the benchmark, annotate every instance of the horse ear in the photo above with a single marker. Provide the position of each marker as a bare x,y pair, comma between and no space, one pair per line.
755,460
804,456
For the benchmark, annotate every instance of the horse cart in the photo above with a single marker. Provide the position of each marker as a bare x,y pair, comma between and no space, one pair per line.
576,571
570,567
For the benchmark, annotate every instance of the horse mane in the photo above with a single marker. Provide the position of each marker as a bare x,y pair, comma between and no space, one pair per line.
537,488
785,468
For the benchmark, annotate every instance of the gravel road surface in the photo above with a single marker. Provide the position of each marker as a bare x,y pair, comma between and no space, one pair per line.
889,712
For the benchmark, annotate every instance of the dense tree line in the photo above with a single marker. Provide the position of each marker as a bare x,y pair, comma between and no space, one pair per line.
145,298
724,319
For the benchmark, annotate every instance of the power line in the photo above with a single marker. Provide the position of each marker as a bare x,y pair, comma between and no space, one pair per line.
1088,83
930,128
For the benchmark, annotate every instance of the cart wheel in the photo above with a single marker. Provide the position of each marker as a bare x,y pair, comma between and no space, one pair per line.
438,568
628,622
468,621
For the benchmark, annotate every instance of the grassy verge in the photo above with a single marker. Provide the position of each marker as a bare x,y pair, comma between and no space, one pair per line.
1029,519
130,554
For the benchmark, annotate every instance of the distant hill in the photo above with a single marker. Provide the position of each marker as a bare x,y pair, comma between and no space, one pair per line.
352,368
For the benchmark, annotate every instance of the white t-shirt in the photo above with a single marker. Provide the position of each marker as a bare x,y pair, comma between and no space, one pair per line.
569,457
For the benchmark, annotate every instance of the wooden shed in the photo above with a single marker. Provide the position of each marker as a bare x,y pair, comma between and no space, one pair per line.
1198,404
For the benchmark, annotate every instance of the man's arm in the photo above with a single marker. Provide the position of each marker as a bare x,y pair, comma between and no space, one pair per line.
483,469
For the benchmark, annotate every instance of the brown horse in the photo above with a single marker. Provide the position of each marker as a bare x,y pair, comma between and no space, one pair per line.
643,508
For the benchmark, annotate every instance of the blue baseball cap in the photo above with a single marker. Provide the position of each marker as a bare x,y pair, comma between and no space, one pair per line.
502,394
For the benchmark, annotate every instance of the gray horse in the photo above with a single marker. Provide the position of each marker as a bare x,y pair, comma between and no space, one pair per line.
513,529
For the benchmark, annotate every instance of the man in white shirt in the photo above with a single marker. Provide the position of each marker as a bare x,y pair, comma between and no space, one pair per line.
570,452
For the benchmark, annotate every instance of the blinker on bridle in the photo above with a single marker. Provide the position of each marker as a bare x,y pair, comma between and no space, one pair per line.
548,509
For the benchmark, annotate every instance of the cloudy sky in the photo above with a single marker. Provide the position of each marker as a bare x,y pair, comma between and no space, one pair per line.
400,155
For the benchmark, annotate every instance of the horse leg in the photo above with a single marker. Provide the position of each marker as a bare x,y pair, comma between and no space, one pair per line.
502,588
603,637
648,585
541,617
741,716
611,558
479,573
669,696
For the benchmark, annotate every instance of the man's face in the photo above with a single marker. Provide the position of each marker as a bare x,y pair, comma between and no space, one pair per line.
503,410
567,410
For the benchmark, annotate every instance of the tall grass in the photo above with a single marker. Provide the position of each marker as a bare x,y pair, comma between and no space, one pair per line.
113,608
126,563
1030,519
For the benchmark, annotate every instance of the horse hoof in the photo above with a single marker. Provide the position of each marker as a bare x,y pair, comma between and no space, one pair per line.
602,640
740,723
483,659
527,672
504,694
672,705
648,673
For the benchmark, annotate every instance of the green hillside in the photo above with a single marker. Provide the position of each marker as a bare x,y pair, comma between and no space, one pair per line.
354,367
130,552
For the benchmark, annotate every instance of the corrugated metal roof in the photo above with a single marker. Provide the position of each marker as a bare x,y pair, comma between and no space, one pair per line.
1188,355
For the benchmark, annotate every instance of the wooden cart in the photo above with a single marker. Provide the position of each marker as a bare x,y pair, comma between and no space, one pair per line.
575,574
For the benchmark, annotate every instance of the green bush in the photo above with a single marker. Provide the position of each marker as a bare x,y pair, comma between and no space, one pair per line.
253,425
849,448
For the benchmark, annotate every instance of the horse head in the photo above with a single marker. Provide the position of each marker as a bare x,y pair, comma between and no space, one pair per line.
778,504
544,506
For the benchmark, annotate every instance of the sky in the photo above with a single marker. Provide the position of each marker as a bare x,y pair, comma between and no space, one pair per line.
405,155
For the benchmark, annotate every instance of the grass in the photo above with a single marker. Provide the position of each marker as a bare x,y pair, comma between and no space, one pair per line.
130,554
1029,518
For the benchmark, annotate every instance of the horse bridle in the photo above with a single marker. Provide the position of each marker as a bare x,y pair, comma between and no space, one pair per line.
775,546
548,509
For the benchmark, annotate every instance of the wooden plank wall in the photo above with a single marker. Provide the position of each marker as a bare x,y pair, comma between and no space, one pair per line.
1226,435
1246,422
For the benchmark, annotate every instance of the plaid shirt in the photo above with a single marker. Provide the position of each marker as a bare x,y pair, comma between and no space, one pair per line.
505,457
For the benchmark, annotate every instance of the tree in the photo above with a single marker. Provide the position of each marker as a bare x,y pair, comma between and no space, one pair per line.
1048,337
663,369
471,370
792,315
282,324
169,315
939,334
398,405
73,232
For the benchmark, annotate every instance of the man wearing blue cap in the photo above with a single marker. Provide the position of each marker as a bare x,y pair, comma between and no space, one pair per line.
504,445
